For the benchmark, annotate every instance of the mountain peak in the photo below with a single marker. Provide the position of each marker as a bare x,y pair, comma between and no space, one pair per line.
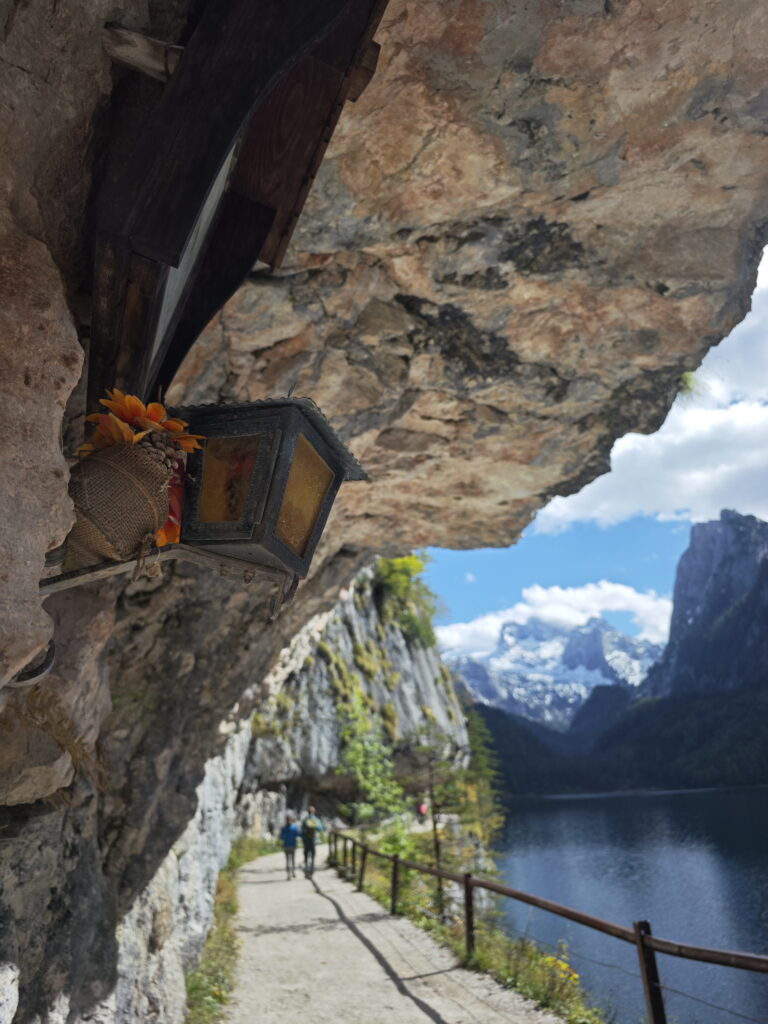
717,638
545,671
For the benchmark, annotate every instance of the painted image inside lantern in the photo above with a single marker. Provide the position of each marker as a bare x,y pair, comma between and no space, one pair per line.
228,467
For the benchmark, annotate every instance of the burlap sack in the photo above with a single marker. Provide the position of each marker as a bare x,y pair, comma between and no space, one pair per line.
121,500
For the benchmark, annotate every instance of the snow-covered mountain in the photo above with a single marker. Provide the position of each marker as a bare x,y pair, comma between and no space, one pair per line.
545,672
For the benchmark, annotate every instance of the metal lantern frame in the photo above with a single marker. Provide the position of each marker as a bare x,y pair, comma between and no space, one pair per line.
278,423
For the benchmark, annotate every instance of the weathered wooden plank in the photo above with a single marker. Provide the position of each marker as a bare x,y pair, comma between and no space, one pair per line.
278,151
111,259
181,283
236,55
223,564
364,72
144,286
233,248
344,44
343,48
142,53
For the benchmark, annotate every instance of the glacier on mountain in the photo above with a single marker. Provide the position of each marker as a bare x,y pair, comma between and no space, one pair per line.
545,672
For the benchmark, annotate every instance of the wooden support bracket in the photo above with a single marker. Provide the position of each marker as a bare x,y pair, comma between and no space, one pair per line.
223,564
364,72
142,53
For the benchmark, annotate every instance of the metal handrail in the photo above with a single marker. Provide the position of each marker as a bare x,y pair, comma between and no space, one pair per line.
639,935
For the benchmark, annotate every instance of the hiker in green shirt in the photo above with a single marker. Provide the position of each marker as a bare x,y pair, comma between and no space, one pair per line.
311,828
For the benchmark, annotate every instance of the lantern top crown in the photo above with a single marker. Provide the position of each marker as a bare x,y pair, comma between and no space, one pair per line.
352,470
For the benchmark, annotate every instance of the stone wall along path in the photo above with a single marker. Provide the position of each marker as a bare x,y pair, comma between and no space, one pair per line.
319,951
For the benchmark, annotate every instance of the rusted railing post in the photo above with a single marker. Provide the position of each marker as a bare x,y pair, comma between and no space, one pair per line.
344,855
395,884
469,915
363,855
332,848
654,998
354,857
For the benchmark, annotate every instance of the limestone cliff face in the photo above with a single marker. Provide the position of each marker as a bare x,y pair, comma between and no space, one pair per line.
349,649
533,221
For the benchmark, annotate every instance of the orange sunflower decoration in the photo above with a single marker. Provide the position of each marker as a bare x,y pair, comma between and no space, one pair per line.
130,421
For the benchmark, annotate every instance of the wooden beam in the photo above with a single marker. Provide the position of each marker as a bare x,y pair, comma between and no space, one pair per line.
363,72
223,564
234,246
278,156
142,53
151,208
236,55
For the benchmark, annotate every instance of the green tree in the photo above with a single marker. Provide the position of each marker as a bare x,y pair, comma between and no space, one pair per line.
367,760
482,806
434,770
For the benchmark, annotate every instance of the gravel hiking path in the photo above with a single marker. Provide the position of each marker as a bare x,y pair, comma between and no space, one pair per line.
318,952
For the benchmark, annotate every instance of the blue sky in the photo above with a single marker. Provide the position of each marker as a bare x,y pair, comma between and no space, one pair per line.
612,549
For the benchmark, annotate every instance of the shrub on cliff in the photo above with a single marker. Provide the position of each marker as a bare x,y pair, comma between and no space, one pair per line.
401,596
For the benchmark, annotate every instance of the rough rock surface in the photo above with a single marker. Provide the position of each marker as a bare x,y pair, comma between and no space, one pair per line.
533,221
51,729
347,648
148,942
40,362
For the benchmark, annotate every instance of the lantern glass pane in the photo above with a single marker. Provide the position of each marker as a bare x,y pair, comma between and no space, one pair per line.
228,465
309,478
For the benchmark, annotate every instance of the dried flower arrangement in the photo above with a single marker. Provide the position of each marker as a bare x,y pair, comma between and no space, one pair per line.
128,487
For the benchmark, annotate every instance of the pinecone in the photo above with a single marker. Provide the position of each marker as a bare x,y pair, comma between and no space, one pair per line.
161,447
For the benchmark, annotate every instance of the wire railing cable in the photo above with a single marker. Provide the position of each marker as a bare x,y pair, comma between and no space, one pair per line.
715,1006
573,954
640,936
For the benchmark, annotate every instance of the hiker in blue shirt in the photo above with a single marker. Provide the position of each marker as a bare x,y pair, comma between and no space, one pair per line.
311,828
289,837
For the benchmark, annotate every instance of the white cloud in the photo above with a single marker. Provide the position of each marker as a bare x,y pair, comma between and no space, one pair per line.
469,577
700,462
710,454
565,606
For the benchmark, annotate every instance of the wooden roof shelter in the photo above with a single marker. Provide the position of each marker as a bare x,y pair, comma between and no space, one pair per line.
221,172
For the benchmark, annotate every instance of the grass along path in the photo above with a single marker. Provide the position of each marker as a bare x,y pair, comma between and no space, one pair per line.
209,986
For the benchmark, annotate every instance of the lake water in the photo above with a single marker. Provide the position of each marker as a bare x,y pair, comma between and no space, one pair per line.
694,864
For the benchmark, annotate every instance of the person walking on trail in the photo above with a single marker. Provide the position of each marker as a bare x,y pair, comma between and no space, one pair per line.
311,828
289,837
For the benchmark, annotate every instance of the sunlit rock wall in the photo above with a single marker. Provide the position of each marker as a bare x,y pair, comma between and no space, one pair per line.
403,685
533,221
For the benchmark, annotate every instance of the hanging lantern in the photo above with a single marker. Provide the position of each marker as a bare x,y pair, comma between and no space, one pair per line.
255,498
263,486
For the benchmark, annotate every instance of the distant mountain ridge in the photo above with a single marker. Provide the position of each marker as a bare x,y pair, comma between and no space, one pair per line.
718,637
545,672
700,718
